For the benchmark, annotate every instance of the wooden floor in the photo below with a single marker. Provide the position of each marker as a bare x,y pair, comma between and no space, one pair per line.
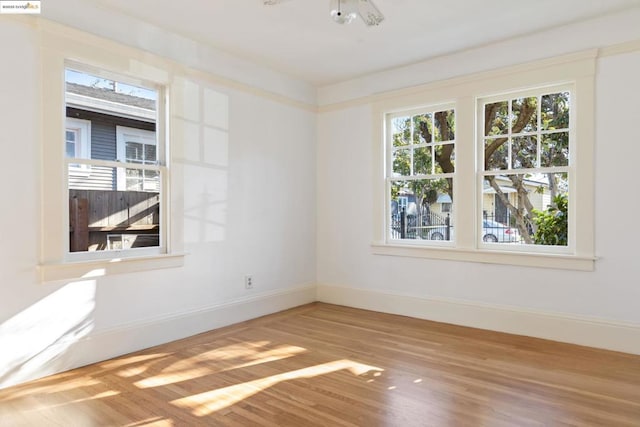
324,365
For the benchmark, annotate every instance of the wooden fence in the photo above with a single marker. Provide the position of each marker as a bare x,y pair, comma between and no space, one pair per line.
95,214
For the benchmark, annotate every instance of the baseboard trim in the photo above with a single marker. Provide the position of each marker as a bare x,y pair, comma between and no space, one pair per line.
586,331
105,344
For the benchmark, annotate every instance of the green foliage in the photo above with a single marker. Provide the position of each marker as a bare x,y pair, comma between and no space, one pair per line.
552,223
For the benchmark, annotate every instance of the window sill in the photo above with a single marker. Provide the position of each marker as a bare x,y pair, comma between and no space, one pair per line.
524,259
104,267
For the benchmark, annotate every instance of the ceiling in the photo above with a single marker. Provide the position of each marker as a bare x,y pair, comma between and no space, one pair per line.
299,38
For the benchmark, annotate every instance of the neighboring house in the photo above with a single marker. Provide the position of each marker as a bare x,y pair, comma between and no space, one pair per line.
494,208
122,203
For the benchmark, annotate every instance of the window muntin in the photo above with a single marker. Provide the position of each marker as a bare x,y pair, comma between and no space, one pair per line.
420,173
525,166
121,191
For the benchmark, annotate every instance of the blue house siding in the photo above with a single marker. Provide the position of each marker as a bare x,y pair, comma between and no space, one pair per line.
103,147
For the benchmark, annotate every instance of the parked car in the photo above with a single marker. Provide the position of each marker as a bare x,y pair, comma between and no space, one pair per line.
492,231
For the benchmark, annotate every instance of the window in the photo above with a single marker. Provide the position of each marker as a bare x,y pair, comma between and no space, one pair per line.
137,146
81,204
498,168
117,204
526,173
420,173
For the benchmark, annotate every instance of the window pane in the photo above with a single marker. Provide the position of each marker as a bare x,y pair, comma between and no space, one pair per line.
445,158
133,151
150,154
496,118
401,162
134,180
151,180
102,217
555,111
401,131
496,154
525,208
524,151
524,115
70,149
555,149
445,126
422,161
70,143
420,210
422,129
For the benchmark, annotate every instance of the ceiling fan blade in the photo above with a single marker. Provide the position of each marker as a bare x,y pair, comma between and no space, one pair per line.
369,13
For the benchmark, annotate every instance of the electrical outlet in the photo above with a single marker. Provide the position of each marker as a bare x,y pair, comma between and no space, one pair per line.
248,281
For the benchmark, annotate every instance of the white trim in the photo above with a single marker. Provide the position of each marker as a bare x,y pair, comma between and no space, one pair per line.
109,264
59,37
145,333
499,255
456,84
581,330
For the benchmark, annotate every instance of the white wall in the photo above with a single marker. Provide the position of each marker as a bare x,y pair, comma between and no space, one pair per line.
248,163
556,304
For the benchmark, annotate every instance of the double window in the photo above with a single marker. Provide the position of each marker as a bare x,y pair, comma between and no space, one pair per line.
524,168
501,172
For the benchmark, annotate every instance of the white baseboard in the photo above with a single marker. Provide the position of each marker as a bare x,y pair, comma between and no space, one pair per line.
591,332
98,346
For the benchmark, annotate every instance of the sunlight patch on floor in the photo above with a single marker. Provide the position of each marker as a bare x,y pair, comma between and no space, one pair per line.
209,402
58,387
152,422
193,367
123,361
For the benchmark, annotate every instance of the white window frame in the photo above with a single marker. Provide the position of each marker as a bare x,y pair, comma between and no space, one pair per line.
390,177
569,169
121,166
104,60
83,148
577,70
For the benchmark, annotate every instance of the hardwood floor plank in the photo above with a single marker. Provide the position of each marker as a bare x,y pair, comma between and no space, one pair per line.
325,365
